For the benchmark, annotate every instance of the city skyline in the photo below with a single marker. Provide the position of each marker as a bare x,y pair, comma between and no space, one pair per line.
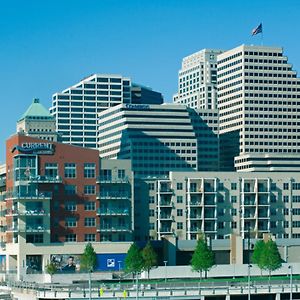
45,50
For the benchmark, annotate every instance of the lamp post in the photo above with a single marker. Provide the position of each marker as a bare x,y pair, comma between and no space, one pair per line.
137,286
291,281
165,262
119,262
90,283
249,294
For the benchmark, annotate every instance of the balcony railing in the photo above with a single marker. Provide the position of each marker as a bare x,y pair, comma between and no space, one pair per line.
166,217
195,203
46,179
32,195
166,203
111,179
113,195
195,216
114,228
195,229
25,228
165,189
165,230
113,212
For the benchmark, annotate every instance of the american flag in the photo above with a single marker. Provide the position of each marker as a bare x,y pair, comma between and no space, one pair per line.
257,29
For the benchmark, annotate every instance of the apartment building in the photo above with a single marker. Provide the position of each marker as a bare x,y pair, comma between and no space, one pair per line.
75,109
258,102
197,80
223,203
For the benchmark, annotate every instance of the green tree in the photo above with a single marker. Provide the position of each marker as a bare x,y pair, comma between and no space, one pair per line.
270,258
259,249
51,269
133,260
203,257
88,258
149,257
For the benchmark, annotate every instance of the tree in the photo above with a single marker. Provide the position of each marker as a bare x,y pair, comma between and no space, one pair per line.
270,258
259,249
51,269
149,257
133,260
203,257
88,258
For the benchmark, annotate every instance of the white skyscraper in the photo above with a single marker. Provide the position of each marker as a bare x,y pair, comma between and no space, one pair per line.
75,109
197,80
258,102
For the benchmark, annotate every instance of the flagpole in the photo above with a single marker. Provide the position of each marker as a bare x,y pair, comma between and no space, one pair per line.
262,35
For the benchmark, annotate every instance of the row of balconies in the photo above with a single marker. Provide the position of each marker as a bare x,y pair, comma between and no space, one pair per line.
113,195
26,212
114,228
25,228
113,212
110,179
29,195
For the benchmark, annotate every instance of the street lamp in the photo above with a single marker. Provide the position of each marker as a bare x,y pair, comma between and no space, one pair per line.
119,262
165,262
291,281
137,286
249,294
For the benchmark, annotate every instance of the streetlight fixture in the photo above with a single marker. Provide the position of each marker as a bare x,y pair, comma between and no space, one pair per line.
165,262
119,262
249,294
291,281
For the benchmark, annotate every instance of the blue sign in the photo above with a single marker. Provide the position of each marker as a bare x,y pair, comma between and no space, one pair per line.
35,148
110,261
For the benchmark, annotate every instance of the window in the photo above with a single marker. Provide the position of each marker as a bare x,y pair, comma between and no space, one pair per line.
88,206
285,186
151,226
286,211
70,206
71,237
105,175
221,186
285,224
70,189
121,174
89,222
89,170
151,186
233,211
71,222
286,199
179,212
70,170
233,199
151,199
179,199
179,225
90,189
151,212
233,225
233,186
51,169
34,238
179,185
89,237
220,225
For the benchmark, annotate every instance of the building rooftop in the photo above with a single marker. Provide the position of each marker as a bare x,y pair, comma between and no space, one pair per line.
36,111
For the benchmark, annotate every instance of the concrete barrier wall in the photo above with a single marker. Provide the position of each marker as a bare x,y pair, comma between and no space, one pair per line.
216,271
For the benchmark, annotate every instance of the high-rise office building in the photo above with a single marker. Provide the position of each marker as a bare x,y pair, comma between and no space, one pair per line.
258,101
159,138
197,80
75,109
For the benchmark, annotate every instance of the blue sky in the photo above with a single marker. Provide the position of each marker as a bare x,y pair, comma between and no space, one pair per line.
46,46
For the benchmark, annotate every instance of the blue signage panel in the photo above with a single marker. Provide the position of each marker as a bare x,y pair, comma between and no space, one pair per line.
110,261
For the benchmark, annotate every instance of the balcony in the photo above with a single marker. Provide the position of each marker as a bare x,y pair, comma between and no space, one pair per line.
2,182
110,179
25,228
166,203
113,212
196,190
113,195
31,196
165,230
196,216
166,190
2,197
46,179
166,217
195,229
114,228
3,228
195,203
